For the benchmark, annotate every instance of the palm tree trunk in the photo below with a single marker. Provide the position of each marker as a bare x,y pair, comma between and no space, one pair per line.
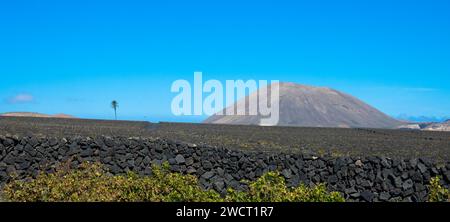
115,113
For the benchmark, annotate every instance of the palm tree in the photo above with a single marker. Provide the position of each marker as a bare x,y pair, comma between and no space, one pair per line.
114,105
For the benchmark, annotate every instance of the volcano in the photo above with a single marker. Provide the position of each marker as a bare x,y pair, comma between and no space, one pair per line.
309,106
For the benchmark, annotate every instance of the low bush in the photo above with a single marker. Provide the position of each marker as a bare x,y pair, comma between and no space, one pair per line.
271,187
437,192
91,182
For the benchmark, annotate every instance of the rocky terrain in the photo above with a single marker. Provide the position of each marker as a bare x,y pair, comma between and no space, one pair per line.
358,179
333,141
362,164
309,106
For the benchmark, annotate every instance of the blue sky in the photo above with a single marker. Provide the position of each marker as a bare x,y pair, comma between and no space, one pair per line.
75,57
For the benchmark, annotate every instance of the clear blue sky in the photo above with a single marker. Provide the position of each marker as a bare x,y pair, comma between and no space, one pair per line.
76,56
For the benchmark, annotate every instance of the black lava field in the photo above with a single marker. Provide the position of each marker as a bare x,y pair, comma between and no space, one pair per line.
321,141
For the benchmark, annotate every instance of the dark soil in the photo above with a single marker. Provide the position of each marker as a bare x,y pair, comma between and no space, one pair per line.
337,142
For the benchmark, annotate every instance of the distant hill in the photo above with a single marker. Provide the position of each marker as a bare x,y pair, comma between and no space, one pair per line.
32,114
309,106
444,126
429,126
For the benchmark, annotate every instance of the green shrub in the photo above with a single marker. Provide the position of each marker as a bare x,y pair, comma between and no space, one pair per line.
91,182
271,187
437,192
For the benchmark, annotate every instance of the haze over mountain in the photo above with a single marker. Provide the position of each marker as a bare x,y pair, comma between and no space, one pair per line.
309,106
423,119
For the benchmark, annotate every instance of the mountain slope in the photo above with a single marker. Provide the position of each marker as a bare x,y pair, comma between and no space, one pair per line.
309,106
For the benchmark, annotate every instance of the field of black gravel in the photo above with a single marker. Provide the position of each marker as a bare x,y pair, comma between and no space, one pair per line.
320,141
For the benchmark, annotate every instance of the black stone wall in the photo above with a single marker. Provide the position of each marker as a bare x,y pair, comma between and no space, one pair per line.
359,179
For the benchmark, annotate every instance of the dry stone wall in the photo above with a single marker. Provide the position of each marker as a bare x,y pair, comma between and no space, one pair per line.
358,179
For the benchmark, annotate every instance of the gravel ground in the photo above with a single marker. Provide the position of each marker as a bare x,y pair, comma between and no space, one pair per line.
338,142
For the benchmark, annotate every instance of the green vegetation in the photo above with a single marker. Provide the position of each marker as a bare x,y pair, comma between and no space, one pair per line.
91,182
437,192
271,187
